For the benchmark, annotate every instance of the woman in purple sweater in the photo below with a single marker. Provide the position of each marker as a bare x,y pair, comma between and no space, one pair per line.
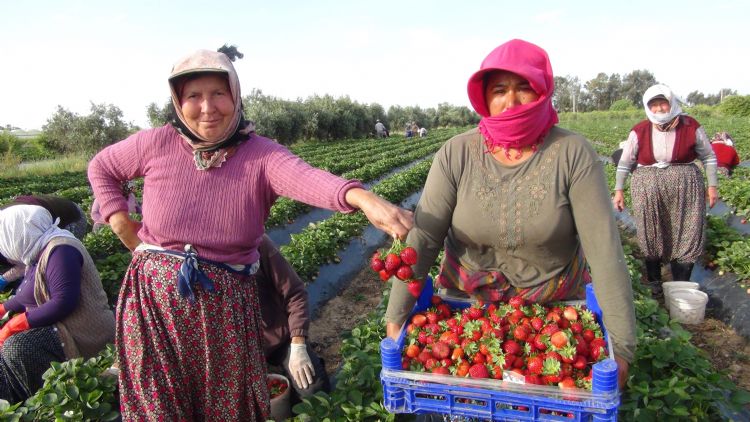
188,322
60,310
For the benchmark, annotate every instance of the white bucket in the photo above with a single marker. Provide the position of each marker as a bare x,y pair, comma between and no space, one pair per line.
668,286
688,306
281,406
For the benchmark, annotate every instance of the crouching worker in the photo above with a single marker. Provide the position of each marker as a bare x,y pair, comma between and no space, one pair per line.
286,319
71,218
60,310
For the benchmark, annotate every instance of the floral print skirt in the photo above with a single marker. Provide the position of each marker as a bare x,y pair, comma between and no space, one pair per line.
189,362
669,207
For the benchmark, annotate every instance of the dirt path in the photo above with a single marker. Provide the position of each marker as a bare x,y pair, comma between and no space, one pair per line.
343,313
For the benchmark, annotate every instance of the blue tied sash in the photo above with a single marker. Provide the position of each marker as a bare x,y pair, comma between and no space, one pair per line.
190,273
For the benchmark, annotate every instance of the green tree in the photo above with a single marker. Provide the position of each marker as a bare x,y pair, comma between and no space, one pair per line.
158,116
604,90
67,132
635,83
736,105
567,95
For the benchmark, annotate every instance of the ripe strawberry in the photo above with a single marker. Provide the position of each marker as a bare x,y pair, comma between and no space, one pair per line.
535,364
497,372
521,332
570,313
408,256
516,302
462,369
384,275
440,350
539,341
567,382
457,353
516,316
432,317
419,320
478,370
580,362
441,370
435,299
588,335
430,363
404,272
511,347
376,263
392,262
474,312
550,329
415,287
412,350
533,379
423,356
537,324
559,339
576,327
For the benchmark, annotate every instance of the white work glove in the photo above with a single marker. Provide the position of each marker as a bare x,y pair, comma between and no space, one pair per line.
300,365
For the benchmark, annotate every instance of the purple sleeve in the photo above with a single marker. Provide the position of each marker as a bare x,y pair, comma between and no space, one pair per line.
292,177
111,166
64,284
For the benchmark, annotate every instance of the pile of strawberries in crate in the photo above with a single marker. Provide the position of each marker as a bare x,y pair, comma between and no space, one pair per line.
526,343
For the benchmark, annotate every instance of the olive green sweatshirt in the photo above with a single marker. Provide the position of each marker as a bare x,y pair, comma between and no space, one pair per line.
525,221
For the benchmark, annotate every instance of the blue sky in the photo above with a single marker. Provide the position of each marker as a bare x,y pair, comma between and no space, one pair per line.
71,53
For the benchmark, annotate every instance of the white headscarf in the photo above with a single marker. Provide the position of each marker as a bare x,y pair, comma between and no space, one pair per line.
674,104
24,232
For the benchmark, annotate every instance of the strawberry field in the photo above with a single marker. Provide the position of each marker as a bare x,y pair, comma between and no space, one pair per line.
671,378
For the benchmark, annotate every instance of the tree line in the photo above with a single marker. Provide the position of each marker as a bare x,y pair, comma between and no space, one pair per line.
323,117
615,92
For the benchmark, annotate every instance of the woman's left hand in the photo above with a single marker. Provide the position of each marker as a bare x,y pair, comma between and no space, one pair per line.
393,220
713,196
622,371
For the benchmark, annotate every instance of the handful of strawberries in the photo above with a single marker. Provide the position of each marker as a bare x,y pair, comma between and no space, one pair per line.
521,342
397,261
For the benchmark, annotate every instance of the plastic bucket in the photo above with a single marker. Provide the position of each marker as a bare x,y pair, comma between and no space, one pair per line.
281,406
668,286
688,306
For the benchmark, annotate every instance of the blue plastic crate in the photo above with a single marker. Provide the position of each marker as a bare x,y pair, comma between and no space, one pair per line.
420,393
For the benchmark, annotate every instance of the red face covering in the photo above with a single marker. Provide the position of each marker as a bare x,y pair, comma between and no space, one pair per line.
527,124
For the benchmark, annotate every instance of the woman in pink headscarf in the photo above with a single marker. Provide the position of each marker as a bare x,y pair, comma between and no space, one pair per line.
520,205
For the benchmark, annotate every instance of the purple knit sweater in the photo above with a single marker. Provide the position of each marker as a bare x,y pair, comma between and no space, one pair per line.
221,211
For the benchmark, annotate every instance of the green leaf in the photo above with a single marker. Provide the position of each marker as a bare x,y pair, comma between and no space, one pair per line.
72,391
49,399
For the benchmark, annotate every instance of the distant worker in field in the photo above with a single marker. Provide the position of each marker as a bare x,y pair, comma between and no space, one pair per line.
72,219
726,156
286,321
414,129
667,190
409,132
422,132
380,130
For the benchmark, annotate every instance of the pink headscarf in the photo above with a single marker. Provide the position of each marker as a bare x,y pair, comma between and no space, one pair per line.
527,124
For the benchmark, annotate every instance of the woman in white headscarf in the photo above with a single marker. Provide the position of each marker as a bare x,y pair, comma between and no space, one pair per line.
668,190
60,310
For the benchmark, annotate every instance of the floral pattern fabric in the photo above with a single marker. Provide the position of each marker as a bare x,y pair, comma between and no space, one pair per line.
182,361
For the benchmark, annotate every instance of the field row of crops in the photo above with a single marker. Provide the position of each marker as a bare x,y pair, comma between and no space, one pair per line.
670,377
